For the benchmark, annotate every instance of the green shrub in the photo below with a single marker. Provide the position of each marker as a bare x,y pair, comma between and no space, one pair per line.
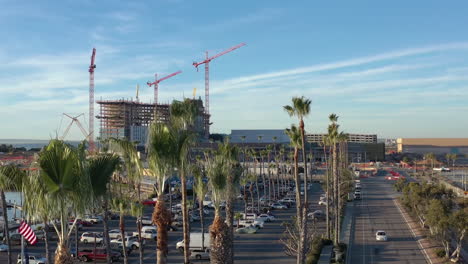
440,252
315,249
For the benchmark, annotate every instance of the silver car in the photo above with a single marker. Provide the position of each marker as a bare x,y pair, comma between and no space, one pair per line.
200,254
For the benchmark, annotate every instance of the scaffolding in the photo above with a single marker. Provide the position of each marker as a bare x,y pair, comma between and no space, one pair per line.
131,119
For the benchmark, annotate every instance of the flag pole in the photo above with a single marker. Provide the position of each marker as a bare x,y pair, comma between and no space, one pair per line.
23,257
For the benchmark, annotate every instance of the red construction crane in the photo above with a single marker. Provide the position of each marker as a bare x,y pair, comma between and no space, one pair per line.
156,84
207,73
92,66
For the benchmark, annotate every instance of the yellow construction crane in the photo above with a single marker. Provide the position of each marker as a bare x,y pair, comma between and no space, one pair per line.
194,92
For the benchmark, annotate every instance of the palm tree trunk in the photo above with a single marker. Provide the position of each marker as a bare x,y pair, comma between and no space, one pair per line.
245,199
162,218
327,190
304,159
219,252
5,224
262,172
62,255
299,259
76,240
251,196
230,230
140,239
105,219
335,191
202,223
46,242
122,234
185,217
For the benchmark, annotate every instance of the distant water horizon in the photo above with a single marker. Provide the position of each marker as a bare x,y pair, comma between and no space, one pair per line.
32,143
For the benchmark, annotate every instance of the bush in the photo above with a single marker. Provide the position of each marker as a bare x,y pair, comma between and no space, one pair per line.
440,252
315,249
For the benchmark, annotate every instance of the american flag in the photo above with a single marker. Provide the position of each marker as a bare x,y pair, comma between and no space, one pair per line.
26,231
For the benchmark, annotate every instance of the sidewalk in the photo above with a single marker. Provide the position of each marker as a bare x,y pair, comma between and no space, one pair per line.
345,234
427,246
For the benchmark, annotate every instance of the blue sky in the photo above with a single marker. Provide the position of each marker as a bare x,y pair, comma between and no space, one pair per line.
395,68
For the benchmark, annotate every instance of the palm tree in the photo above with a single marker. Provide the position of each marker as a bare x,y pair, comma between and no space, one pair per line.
333,136
100,169
10,179
201,189
295,137
161,160
67,185
301,108
120,203
216,168
182,118
134,169
233,172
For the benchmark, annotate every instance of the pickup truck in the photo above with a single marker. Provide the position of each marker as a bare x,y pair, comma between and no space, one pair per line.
33,259
147,232
130,241
86,255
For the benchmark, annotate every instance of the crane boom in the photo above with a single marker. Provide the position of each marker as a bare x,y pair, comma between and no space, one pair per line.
156,84
92,66
196,64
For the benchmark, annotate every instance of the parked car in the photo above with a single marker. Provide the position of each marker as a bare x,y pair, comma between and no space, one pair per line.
33,259
246,230
278,206
316,215
147,232
115,233
3,247
130,241
90,237
381,235
95,219
249,222
86,255
323,202
146,220
149,202
266,217
200,254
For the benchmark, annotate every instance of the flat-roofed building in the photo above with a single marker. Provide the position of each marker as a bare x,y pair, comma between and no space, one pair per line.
352,138
433,145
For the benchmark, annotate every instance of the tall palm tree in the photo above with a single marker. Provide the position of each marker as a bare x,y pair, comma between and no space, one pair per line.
161,161
295,137
333,137
10,180
233,173
326,146
183,116
100,169
201,189
300,108
134,170
120,203
67,185
216,169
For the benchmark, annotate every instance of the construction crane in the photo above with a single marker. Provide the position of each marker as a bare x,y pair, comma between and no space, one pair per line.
74,119
137,91
207,73
194,92
156,84
92,66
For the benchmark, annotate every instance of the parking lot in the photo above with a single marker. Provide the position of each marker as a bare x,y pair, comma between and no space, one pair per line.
262,247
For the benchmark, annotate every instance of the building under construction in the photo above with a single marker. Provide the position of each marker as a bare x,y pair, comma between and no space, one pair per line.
131,119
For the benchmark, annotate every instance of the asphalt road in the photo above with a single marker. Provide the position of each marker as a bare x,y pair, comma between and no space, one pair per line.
263,247
377,211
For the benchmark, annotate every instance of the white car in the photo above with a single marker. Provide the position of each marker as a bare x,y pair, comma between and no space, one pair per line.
146,220
3,247
381,235
200,254
266,217
90,237
33,259
323,202
115,233
130,241
249,222
278,206
95,219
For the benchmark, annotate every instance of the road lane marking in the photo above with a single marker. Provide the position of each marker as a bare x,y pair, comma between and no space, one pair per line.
428,259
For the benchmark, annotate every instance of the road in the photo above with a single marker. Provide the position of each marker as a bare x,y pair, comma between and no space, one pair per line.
377,211
263,247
